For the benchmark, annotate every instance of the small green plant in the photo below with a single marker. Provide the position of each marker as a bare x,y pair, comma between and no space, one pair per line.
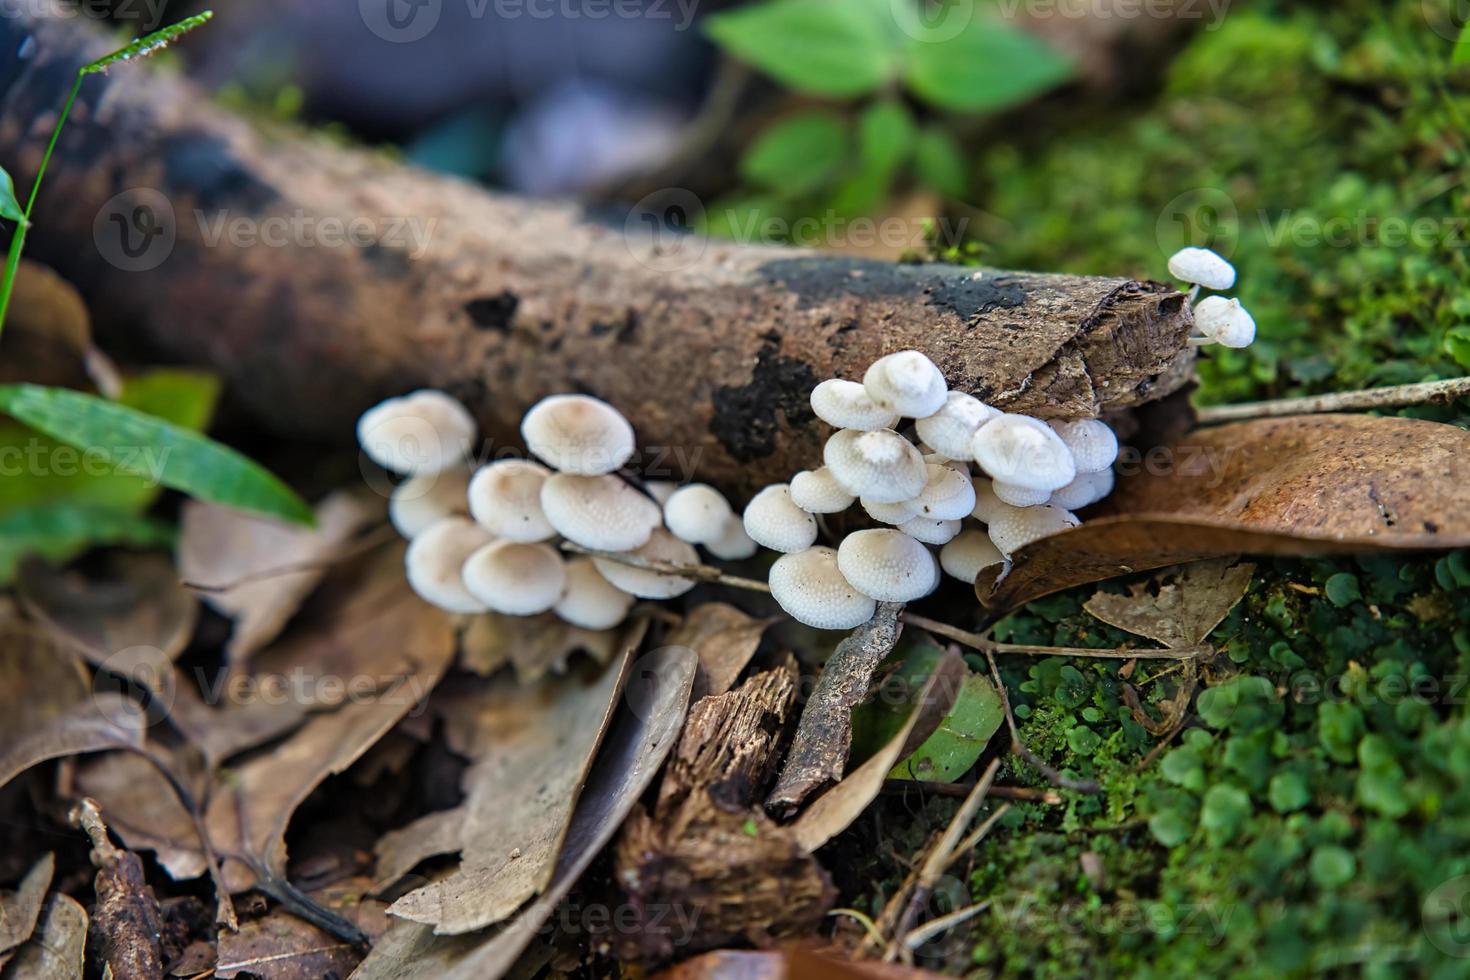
127,439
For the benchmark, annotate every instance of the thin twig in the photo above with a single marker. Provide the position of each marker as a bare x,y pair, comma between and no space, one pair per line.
1024,794
224,906
701,573
1393,396
973,841
943,923
1020,748
869,926
983,643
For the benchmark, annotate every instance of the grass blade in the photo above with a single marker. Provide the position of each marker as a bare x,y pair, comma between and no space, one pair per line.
149,44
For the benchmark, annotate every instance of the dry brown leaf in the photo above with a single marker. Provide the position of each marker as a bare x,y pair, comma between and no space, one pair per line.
48,332
42,677
58,949
271,566
532,747
282,947
793,964
724,638
143,810
634,750
1305,485
835,810
533,645
1191,601
20,909
106,721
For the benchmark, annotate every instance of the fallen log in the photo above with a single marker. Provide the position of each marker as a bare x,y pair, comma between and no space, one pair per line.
318,279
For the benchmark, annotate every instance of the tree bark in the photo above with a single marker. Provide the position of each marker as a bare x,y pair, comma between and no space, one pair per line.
217,243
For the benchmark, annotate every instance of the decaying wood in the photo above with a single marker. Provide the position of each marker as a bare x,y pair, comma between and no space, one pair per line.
710,349
125,922
707,846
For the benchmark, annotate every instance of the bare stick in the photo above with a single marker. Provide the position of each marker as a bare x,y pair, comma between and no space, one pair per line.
970,843
983,643
1025,794
944,923
1394,396
702,573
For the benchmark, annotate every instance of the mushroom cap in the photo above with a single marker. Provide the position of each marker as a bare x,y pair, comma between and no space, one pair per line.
591,601
907,383
425,431
1087,489
773,521
435,558
948,493
987,505
734,544
930,530
904,510
578,434
425,498
968,553
1202,267
505,497
697,513
646,584
818,492
1023,451
1009,493
950,430
880,465
1021,526
813,591
516,578
660,490
598,512
847,405
888,565
1225,321
1093,443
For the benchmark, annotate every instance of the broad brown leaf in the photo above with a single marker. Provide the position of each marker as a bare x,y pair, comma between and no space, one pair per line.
20,909
1191,602
281,946
58,948
724,638
533,645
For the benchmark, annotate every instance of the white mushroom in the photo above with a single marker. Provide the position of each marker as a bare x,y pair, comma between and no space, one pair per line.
987,505
1025,452
1009,493
930,530
773,520
968,553
660,490
598,512
423,432
1224,321
644,583
907,383
434,560
1093,443
884,513
1202,267
733,544
948,494
1021,526
515,578
811,588
880,465
578,434
697,513
846,404
888,565
950,430
505,497
591,601
1087,489
818,492
423,499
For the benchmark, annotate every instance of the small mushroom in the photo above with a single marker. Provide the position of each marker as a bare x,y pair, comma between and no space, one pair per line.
987,505
578,434
773,521
435,558
505,497
1202,267
884,513
733,544
1093,443
1087,489
1022,525
427,497
907,383
818,492
645,583
425,431
660,490
968,553
930,530
888,565
880,465
813,591
948,494
1224,321
847,405
591,601
950,430
697,513
1024,452
515,578
598,512
1009,493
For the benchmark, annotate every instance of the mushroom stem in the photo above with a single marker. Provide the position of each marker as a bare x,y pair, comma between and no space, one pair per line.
704,573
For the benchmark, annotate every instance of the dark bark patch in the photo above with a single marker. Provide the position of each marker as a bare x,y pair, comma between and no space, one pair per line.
205,166
493,312
746,417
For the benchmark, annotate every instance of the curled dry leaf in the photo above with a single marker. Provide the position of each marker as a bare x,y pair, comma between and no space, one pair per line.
1306,485
1190,602
790,964
281,946
58,948
533,645
634,750
724,638
48,331
20,909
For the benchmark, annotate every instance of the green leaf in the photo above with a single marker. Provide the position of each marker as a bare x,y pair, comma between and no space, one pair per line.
885,141
135,442
837,48
961,737
1462,46
59,532
149,44
988,65
940,163
798,153
1457,345
10,208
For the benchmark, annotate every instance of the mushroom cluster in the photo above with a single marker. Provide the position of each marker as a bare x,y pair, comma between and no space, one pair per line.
485,539
1217,319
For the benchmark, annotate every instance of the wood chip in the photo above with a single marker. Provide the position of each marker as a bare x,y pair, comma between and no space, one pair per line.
724,638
